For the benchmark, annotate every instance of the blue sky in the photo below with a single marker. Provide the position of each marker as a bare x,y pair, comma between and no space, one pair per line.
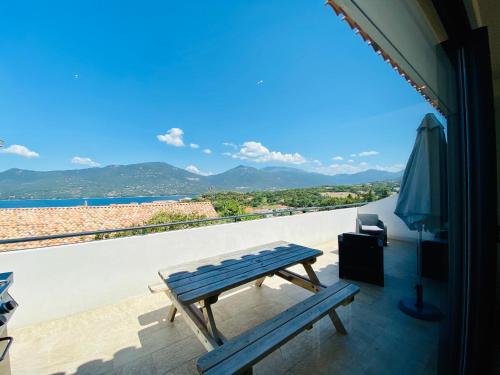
84,83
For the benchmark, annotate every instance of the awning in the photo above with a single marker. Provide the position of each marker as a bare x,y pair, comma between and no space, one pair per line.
408,36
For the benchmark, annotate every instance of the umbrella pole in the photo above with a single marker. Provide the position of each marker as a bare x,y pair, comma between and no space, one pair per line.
417,308
419,287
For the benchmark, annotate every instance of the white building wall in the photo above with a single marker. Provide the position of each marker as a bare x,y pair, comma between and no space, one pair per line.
53,282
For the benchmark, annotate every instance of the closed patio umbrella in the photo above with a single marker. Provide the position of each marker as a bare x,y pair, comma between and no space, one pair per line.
422,202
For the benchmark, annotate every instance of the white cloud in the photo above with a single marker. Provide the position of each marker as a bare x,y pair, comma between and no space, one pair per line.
355,168
260,82
368,153
194,169
353,155
317,162
229,144
84,161
390,168
350,161
21,151
173,137
194,145
255,151
340,168
207,151
338,158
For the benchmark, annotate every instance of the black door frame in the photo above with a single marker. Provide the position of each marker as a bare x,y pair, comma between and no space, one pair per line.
468,332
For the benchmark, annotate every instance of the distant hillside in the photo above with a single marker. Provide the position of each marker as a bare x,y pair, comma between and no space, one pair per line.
249,178
113,180
158,178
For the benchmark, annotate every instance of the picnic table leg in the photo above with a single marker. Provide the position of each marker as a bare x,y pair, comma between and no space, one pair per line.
259,282
311,274
339,326
209,317
194,320
171,313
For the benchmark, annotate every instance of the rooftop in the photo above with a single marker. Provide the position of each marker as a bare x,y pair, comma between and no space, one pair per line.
46,221
133,336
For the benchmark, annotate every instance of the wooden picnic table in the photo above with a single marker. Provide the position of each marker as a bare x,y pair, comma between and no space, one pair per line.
193,292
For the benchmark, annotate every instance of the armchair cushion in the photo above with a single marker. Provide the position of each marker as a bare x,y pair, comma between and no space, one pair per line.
372,228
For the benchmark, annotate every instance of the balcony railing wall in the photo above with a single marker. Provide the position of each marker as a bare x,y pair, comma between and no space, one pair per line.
56,281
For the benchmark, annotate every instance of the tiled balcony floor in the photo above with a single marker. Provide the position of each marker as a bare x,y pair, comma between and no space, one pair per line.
133,337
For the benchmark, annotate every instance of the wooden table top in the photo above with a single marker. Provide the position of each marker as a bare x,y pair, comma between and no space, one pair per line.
212,279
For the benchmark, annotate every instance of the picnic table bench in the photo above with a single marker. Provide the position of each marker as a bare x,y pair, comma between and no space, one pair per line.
194,288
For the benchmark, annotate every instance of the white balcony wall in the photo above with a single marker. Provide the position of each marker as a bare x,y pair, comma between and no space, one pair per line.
53,282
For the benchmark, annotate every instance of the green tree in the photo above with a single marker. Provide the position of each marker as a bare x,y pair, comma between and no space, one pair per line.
384,193
229,207
370,197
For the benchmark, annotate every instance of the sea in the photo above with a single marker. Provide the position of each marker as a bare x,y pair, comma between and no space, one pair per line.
31,203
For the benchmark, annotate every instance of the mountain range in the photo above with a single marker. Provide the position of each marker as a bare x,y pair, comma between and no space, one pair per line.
157,179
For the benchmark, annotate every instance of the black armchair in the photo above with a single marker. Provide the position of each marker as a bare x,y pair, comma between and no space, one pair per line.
361,257
372,225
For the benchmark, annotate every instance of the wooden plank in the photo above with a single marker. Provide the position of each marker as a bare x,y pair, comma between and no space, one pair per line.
261,347
178,271
232,282
231,279
231,264
236,266
240,342
240,271
198,267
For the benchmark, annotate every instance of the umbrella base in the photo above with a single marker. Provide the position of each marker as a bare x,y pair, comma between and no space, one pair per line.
425,311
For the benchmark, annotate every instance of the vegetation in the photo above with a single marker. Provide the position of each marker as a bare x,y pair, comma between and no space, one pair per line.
159,218
236,203
228,206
